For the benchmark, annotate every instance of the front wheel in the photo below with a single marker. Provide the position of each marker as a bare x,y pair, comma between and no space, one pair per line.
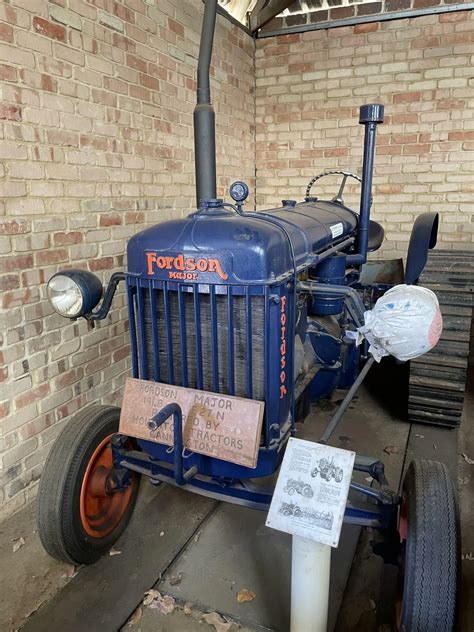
80,514
430,546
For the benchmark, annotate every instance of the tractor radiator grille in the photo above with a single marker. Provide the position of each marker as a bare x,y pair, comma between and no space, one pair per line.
213,342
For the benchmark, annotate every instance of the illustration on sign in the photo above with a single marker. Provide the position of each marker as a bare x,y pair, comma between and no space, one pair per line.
311,492
221,426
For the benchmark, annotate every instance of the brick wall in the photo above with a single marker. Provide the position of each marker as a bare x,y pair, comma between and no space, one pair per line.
96,143
309,88
319,11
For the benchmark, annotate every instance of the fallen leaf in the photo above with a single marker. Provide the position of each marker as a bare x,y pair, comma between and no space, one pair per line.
391,449
135,618
188,607
219,623
467,459
115,552
149,596
155,600
176,579
71,571
18,543
245,595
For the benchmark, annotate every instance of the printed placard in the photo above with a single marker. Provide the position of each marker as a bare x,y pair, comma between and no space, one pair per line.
221,426
336,229
311,492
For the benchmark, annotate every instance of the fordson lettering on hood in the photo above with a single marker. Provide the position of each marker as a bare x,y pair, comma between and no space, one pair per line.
184,268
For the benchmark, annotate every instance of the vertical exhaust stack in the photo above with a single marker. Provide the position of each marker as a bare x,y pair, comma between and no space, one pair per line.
370,116
204,117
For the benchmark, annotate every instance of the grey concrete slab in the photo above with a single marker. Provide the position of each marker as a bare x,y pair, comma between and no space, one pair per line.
434,443
152,620
236,550
28,577
102,596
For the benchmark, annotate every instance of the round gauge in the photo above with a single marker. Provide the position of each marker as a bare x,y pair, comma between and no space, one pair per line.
239,191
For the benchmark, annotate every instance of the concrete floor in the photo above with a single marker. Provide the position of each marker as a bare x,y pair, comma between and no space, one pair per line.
202,552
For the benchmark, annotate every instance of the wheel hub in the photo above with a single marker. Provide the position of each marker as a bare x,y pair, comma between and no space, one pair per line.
102,504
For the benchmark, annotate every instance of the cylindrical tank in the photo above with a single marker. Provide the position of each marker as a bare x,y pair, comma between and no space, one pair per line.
330,271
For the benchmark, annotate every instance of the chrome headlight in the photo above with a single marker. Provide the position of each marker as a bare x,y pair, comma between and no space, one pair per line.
74,293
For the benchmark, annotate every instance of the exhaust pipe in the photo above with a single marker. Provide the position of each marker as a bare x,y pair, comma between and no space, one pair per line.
204,117
370,116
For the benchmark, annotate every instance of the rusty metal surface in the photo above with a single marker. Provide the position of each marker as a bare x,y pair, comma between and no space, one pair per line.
221,426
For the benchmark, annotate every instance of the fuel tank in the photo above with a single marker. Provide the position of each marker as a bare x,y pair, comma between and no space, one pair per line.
219,245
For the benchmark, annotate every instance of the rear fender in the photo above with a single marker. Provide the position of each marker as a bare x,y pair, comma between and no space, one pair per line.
423,237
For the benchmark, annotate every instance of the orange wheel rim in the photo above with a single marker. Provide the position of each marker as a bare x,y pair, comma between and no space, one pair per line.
101,512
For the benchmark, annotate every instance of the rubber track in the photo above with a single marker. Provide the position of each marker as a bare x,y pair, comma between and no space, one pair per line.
438,378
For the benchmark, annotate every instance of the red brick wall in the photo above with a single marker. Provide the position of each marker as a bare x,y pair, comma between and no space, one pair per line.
96,143
309,88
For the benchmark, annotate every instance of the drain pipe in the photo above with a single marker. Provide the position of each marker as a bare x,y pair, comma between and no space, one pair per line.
204,116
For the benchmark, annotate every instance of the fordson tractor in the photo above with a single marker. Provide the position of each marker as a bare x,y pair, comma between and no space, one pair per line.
258,305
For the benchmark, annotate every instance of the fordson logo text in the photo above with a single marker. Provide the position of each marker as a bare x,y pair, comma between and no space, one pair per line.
184,268
283,390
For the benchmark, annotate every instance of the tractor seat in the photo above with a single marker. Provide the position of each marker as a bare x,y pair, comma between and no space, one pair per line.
376,235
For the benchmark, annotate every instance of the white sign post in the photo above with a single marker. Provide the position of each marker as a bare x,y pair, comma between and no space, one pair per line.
309,502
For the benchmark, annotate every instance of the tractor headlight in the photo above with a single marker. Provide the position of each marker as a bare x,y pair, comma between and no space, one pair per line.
74,293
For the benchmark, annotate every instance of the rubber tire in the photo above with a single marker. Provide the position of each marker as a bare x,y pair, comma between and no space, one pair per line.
58,509
432,555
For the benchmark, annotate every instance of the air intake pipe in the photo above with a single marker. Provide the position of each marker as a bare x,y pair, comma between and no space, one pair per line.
204,117
370,116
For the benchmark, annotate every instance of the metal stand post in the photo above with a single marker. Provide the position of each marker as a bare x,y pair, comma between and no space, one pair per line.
310,572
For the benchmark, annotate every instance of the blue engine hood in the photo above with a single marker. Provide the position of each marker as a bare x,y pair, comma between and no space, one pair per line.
220,246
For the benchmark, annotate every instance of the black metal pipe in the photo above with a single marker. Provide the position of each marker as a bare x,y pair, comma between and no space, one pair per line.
204,116
370,116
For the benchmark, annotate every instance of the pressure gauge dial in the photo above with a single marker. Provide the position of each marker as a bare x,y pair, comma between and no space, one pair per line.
239,191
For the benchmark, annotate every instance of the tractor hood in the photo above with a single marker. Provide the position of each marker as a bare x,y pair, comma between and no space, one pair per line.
216,245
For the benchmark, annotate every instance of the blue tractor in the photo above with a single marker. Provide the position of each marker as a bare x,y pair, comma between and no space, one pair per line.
259,306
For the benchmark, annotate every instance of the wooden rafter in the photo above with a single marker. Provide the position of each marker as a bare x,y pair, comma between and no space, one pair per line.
264,11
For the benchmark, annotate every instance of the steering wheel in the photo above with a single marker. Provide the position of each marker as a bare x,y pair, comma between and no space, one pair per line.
338,197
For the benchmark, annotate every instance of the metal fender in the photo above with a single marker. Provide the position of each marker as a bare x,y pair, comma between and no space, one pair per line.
423,237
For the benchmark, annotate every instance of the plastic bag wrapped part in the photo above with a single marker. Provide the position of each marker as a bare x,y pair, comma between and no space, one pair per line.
405,322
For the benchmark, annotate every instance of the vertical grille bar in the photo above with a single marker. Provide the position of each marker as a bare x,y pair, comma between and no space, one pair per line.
230,339
141,329
214,340
248,307
154,332
169,335
182,325
266,356
197,323
133,328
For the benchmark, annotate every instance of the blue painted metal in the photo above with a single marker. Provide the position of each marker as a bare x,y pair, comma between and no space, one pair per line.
331,271
242,492
424,235
193,286
158,420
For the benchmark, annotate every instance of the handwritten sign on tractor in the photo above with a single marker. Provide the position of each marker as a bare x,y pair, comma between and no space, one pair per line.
221,426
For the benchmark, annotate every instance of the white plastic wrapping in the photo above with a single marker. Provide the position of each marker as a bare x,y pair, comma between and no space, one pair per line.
405,322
